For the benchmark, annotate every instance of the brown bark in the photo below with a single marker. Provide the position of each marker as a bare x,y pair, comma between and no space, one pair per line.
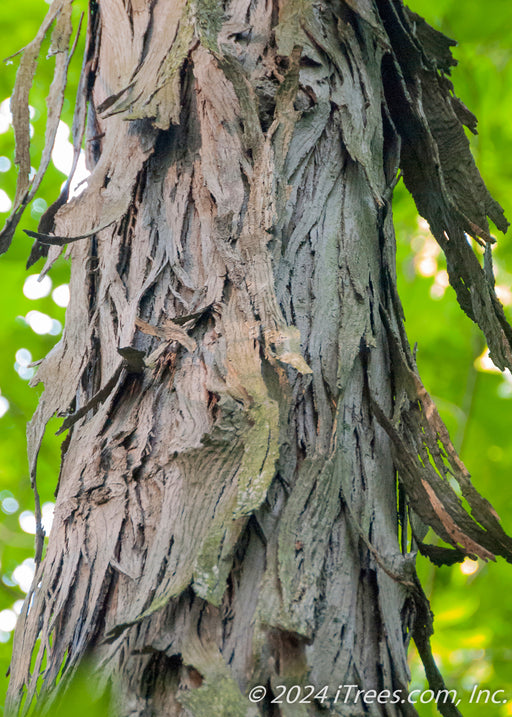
240,389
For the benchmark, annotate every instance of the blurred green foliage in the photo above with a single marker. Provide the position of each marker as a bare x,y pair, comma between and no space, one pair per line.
19,23
473,642
473,639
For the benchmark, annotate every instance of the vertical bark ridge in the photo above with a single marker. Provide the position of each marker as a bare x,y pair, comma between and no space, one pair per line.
226,512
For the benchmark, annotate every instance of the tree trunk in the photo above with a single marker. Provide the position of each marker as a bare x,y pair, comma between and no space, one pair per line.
241,396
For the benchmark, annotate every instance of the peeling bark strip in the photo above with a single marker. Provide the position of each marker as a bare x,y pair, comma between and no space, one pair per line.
226,509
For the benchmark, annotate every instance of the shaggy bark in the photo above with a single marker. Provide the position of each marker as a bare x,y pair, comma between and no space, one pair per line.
239,389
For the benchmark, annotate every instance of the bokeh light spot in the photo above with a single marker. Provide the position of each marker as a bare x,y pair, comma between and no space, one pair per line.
24,574
469,567
4,406
27,521
5,202
61,295
35,289
7,620
10,505
5,115
39,323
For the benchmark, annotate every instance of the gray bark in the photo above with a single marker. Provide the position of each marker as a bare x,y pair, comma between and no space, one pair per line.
241,399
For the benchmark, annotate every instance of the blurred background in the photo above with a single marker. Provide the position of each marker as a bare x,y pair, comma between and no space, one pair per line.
472,601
